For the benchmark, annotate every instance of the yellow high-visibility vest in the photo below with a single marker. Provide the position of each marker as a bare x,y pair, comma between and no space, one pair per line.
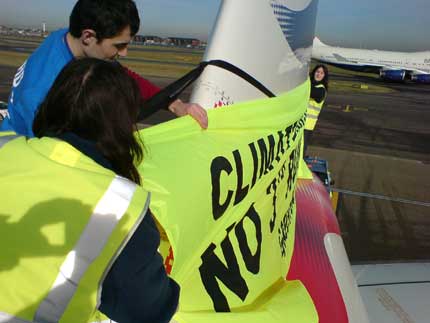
64,220
313,111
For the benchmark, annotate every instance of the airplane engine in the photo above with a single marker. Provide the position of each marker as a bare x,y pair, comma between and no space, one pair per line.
421,78
393,75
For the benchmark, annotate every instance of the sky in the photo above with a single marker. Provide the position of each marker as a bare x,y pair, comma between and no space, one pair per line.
399,25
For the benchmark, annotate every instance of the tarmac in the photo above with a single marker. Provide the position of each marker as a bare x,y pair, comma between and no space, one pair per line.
6,78
378,149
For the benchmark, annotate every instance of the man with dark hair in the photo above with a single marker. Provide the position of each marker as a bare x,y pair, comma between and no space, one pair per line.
97,28
105,17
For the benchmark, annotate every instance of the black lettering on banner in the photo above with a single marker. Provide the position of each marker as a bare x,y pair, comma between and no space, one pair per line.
293,130
297,127
212,268
280,150
297,159
290,173
273,187
252,262
241,192
301,122
281,173
218,165
266,157
255,163
288,136
284,228
293,134
293,165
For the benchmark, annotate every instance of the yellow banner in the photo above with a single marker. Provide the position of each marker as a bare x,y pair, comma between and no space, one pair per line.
225,197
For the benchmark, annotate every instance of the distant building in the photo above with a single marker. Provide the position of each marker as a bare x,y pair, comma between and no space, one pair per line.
5,30
24,32
184,42
148,40
170,41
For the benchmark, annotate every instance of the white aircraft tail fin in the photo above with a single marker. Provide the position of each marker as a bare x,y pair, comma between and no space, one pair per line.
283,49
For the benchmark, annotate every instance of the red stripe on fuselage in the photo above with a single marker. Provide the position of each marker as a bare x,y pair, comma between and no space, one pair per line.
310,263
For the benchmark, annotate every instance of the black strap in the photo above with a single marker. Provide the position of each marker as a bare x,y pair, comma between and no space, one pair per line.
170,93
241,73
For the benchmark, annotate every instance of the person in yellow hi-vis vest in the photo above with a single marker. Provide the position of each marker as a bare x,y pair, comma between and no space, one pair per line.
319,88
75,229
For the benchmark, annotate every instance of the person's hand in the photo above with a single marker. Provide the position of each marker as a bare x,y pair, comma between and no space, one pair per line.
199,114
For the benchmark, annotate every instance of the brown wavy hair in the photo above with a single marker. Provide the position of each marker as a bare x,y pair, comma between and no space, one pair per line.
97,101
325,79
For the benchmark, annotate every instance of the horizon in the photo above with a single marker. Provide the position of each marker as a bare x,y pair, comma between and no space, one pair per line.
366,24
20,27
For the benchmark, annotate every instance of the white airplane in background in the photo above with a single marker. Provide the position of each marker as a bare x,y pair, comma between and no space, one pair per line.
393,66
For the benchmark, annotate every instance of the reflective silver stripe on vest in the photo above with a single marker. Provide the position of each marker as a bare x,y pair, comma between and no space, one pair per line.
7,318
108,212
311,107
5,139
123,244
311,116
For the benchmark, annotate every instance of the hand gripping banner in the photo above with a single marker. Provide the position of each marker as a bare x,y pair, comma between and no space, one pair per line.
225,198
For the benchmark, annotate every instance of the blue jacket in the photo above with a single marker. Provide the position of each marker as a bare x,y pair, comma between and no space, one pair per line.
33,81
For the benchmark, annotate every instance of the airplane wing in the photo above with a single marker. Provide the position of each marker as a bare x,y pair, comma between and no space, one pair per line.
343,60
395,293
340,58
416,71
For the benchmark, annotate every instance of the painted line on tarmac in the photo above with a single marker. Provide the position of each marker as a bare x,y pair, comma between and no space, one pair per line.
360,109
348,108
381,197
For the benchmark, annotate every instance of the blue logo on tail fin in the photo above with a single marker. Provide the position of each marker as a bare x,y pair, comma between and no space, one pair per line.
298,26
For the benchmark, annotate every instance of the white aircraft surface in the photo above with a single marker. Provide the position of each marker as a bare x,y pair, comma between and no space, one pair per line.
392,66
395,292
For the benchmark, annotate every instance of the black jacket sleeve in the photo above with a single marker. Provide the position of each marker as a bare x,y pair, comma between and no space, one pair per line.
317,93
137,288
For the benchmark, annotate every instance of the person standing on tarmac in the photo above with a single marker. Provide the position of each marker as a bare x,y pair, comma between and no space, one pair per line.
75,220
319,88
97,28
